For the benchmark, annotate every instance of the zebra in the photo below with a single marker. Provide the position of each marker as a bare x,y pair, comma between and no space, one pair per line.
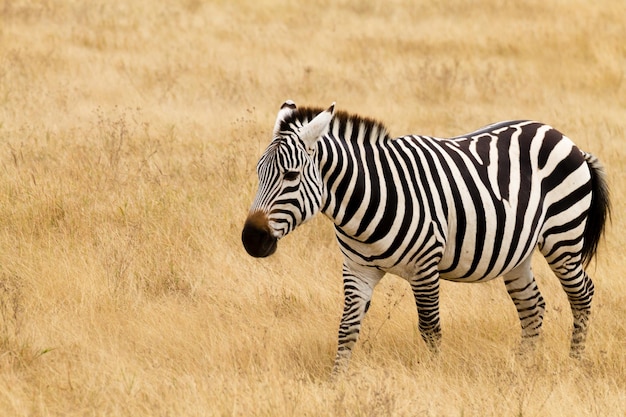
466,209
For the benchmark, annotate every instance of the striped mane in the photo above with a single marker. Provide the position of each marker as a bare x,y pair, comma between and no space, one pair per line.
303,115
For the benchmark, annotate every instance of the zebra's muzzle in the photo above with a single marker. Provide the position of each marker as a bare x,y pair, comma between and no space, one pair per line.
256,236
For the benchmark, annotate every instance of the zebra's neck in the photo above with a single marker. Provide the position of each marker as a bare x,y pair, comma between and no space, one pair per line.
347,157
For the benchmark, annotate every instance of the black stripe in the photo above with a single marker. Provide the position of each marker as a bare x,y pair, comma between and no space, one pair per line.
503,144
374,183
523,196
550,140
462,207
408,212
461,220
391,202
342,187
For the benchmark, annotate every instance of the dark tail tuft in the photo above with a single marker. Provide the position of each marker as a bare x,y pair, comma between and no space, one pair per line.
599,211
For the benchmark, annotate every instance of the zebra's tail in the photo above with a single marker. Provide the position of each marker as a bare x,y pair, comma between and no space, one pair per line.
599,211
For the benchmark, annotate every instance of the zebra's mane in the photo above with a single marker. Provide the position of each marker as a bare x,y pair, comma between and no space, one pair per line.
304,115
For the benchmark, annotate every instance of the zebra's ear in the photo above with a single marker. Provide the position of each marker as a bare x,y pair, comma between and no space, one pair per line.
316,128
286,108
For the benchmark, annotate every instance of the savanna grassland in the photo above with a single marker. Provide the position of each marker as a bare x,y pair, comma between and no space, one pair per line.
129,133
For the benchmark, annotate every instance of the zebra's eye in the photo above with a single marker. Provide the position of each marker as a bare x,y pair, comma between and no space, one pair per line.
291,175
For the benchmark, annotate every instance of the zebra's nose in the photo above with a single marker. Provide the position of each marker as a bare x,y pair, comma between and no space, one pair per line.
256,236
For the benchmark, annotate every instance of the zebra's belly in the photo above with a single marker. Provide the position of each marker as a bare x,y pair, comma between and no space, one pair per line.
466,265
477,276
409,273
470,263
466,270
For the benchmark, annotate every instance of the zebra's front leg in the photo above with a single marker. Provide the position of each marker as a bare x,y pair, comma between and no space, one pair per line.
358,286
426,292
522,288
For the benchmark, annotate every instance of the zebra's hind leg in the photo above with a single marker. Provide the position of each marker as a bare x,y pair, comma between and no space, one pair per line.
563,252
522,288
358,286
579,289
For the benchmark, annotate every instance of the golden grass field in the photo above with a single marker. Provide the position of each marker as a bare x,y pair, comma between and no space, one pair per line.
129,134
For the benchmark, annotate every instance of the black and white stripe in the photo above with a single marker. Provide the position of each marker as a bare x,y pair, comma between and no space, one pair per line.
466,209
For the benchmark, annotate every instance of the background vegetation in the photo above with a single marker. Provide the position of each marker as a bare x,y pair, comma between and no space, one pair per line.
129,132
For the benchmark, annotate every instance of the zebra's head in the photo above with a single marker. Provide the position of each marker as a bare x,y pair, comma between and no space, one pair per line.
290,184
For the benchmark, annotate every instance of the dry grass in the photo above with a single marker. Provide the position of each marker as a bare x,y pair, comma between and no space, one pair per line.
129,132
